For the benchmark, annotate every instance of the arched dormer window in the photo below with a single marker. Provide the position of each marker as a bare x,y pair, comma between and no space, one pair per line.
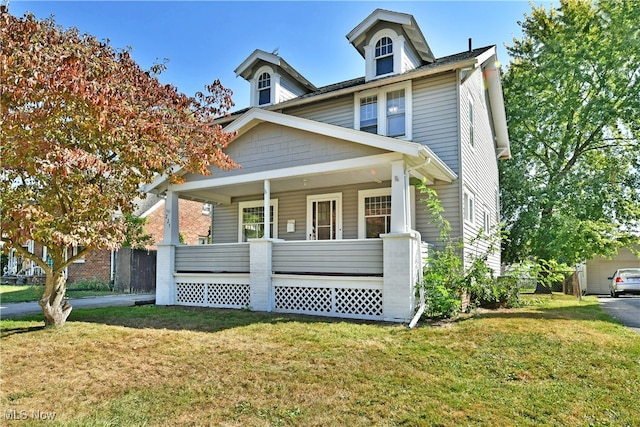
384,56
264,89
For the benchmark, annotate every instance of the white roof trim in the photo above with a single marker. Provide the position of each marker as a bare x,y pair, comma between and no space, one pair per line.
408,22
245,68
496,101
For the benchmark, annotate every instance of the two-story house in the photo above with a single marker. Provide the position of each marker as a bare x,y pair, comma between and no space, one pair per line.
323,217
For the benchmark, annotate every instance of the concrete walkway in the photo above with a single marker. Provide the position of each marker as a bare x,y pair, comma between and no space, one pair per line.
18,309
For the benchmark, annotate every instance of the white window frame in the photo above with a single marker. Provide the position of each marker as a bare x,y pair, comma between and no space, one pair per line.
275,81
370,54
324,197
382,56
362,195
258,204
469,206
381,94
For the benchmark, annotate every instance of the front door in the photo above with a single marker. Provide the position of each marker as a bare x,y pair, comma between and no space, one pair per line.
324,217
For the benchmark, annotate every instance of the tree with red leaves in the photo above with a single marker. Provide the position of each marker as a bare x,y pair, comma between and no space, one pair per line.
83,127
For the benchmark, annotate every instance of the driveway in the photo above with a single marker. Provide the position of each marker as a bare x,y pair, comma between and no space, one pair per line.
625,308
18,309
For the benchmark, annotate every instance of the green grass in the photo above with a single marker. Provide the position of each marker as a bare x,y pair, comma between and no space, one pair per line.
27,293
557,361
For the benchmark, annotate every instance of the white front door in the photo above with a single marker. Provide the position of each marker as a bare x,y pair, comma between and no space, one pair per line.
324,217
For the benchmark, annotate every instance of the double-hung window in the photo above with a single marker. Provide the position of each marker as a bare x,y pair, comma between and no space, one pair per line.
251,220
468,202
384,56
385,111
374,212
369,114
396,113
264,89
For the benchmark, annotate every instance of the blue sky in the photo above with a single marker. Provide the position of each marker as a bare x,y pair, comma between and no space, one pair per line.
205,40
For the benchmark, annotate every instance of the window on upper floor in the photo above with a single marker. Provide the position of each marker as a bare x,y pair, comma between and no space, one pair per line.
395,113
384,56
369,114
264,89
385,111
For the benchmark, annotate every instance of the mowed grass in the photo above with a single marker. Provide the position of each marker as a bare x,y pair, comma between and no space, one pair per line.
27,293
556,362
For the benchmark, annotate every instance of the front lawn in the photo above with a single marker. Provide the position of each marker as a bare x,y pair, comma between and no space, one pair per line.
555,362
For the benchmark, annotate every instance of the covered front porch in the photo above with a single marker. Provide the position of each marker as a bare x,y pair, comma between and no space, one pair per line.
320,220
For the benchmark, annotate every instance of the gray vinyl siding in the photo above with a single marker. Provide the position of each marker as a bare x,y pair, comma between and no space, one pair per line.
289,89
349,257
479,164
292,205
269,146
211,258
337,112
449,196
435,117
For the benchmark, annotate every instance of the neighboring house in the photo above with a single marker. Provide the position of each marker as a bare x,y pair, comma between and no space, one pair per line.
95,266
100,265
323,217
195,222
598,270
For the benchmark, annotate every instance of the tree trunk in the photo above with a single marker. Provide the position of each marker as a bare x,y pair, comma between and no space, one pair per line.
55,308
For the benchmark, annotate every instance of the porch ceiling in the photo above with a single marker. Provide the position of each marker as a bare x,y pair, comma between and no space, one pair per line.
223,193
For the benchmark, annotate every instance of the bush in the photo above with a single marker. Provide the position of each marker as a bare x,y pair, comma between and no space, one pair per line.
441,302
445,280
497,292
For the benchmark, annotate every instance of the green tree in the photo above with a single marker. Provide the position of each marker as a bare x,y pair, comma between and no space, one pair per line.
82,128
572,93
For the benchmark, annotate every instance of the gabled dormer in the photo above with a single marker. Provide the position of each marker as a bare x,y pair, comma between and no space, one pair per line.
272,79
391,43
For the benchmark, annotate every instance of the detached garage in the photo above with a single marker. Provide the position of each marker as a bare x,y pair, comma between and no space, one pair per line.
599,268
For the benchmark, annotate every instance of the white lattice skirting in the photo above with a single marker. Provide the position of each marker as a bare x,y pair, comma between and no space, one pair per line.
325,296
221,292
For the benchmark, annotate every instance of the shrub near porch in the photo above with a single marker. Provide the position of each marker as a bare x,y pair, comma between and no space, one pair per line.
555,362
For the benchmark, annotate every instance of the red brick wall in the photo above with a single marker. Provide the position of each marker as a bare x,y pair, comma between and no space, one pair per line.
192,223
96,267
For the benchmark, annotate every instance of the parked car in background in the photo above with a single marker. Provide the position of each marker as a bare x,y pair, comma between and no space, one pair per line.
625,281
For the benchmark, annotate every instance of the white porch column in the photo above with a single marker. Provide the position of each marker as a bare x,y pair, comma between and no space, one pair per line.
267,209
260,262
400,267
400,209
165,286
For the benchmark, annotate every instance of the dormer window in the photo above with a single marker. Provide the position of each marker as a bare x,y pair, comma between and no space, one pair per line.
384,56
264,89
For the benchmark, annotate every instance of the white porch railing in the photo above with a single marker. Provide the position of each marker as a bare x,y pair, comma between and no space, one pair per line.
361,279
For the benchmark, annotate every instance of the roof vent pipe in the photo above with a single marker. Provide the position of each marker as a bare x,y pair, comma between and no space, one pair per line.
470,44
